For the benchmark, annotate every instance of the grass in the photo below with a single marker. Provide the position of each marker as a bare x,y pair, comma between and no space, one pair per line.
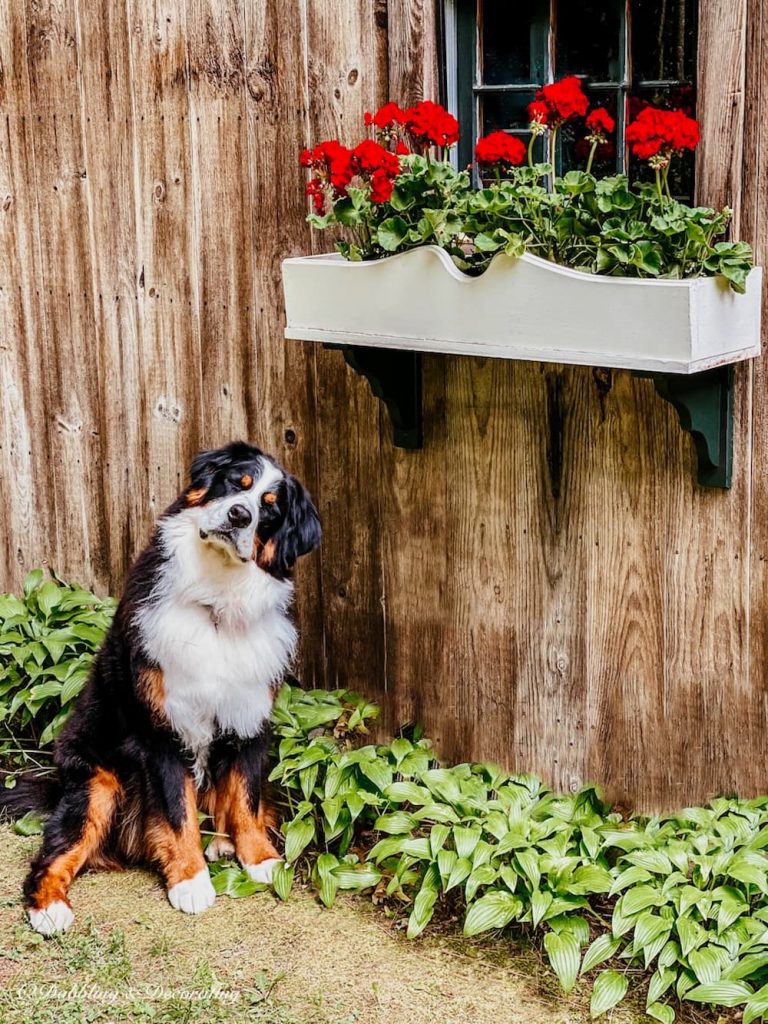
131,958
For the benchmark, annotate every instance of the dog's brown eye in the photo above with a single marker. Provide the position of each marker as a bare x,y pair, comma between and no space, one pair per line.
269,498
246,481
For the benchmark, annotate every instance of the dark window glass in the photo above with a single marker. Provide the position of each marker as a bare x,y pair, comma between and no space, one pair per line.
509,45
663,40
589,40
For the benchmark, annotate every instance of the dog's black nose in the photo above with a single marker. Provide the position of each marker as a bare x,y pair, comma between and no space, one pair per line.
239,516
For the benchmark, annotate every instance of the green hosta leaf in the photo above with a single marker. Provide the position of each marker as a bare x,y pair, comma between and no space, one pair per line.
486,874
649,928
609,989
492,911
407,792
282,879
602,949
705,964
357,879
630,876
326,863
234,882
661,1012
720,993
529,864
30,824
298,835
465,840
437,837
378,772
690,933
757,1006
639,898
564,956
423,905
662,979
459,873
589,879
400,748
540,904
394,824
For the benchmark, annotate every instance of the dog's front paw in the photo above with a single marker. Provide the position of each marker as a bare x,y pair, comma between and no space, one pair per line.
262,872
219,846
194,895
54,919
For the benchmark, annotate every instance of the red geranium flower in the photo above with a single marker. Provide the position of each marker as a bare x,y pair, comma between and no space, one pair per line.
538,112
600,122
564,99
662,132
333,160
386,116
499,148
432,125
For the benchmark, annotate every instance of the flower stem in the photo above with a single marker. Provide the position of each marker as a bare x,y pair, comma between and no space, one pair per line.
530,150
591,157
658,185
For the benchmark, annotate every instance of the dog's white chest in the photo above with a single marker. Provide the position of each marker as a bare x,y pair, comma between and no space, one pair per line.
220,655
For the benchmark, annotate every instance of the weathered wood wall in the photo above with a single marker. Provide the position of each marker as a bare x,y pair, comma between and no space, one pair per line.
544,583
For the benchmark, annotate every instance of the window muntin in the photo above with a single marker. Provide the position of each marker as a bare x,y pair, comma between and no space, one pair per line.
628,53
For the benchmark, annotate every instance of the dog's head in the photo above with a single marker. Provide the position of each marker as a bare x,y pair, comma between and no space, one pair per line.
248,507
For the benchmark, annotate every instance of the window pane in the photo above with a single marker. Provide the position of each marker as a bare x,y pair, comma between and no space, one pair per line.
588,39
512,50
663,39
504,110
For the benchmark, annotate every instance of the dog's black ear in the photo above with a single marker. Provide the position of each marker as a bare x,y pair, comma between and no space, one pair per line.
205,465
300,530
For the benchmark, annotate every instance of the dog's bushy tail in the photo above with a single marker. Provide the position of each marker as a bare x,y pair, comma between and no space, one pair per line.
31,793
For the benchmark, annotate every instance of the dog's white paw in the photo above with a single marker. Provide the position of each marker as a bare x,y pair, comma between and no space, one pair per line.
194,895
262,872
219,846
57,917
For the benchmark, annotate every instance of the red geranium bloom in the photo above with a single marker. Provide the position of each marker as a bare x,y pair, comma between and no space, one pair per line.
600,122
499,148
372,156
333,160
564,99
538,112
664,132
432,125
386,116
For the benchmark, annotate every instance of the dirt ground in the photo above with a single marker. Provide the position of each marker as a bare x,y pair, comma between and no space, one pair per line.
131,957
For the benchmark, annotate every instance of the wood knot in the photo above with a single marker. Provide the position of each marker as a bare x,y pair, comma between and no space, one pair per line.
167,409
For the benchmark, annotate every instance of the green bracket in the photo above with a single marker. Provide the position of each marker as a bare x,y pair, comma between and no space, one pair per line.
395,377
704,403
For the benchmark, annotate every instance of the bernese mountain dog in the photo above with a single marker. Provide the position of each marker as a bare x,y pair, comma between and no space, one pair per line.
174,717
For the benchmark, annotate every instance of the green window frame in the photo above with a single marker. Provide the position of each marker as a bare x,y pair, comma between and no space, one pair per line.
664,40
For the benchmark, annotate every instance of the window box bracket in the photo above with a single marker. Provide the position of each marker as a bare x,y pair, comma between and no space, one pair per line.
704,403
395,377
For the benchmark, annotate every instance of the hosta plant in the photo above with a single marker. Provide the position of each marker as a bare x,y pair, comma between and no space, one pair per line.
398,190
48,638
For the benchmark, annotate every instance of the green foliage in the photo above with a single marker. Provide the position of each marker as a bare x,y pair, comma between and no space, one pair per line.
598,225
680,900
602,226
47,642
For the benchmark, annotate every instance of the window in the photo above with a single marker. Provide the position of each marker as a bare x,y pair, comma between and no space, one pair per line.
628,53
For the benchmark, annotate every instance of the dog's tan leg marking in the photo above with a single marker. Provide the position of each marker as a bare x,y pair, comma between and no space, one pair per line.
179,854
50,911
248,830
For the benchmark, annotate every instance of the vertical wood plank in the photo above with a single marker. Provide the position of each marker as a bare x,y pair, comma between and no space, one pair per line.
28,536
216,49
754,228
166,253
283,384
107,127
342,46
76,451
414,496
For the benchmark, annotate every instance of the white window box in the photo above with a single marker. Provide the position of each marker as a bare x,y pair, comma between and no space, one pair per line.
523,308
